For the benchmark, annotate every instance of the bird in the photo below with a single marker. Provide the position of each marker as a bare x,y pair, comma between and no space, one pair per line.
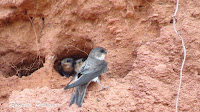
67,67
78,63
89,71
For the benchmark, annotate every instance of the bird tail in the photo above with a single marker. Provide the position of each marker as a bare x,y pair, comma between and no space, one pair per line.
79,95
74,97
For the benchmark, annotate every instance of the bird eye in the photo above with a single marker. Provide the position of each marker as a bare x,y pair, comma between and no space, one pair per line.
102,50
68,60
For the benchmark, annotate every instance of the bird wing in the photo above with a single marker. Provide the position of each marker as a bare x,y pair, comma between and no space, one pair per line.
85,78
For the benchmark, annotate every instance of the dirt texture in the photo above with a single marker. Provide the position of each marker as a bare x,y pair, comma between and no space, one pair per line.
144,57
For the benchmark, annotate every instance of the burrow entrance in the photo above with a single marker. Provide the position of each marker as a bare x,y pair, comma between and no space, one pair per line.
72,52
20,64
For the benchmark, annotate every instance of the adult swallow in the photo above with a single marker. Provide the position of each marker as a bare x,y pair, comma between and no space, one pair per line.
67,67
93,66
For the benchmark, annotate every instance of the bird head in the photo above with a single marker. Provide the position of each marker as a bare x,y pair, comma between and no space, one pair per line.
78,63
67,62
98,53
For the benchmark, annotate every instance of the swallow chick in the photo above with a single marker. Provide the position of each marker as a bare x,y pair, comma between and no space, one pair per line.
93,66
67,67
78,63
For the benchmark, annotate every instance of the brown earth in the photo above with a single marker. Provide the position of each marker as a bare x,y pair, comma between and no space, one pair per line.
144,57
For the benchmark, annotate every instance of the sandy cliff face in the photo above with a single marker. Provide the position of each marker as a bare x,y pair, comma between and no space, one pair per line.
143,62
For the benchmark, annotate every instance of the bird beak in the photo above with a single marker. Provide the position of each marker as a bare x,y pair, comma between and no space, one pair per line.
106,52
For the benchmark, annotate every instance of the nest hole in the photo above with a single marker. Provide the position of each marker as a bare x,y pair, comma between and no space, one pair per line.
74,53
26,65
